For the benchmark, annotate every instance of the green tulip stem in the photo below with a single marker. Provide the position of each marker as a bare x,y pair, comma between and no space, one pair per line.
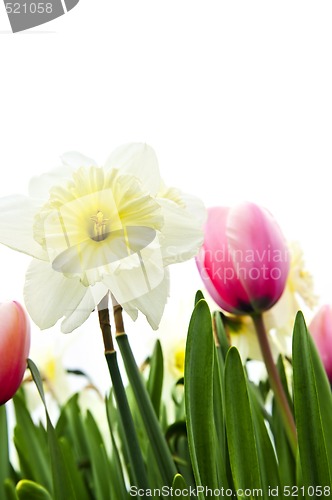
275,382
135,455
156,437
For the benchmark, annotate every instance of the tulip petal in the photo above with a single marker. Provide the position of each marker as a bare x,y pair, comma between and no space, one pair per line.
152,304
259,253
140,160
14,348
17,215
216,265
49,295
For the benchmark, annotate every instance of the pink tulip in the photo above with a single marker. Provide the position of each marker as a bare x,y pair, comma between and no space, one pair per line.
244,260
14,348
321,331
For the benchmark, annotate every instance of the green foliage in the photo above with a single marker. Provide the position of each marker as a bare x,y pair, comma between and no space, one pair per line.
227,432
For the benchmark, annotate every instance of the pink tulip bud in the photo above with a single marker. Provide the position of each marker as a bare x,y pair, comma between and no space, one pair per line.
321,331
244,261
14,348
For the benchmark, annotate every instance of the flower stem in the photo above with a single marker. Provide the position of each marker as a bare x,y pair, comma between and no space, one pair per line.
157,439
275,382
133,447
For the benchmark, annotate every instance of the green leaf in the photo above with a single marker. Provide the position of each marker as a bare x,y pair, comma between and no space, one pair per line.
199,361
73,470
31,444
29,490
313,409
287,463
265,451
179,484
62,484
239,426
10,490
156,437
199,296
4,452
99,459
156,375
221,334
219,419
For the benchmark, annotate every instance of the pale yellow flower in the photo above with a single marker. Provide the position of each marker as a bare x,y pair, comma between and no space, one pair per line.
94,230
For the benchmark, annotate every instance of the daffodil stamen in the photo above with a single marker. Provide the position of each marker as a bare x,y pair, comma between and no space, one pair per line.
99,229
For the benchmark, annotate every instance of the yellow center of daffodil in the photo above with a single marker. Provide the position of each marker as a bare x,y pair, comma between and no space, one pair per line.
95,220
99,232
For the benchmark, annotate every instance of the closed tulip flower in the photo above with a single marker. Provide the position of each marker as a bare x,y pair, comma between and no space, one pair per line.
321,331
244,260
14,348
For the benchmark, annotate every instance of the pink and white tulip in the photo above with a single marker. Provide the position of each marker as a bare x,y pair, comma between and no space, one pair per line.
244,261
321,331
14,348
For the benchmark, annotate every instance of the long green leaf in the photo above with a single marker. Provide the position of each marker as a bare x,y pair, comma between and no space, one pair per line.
31,446
240,427
157,440
179,484
313,409
99,459
4,451
62,484
265,451
198,376
29,490
156,375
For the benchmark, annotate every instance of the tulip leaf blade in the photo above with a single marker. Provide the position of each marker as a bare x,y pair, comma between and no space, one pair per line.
29,490
198,387
265,450
239,425
179,484
311,411
156,376
62,483
4,450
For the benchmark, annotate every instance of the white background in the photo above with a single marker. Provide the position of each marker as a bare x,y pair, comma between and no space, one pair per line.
235,97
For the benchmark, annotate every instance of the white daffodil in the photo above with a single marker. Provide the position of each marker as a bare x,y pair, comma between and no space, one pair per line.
94,230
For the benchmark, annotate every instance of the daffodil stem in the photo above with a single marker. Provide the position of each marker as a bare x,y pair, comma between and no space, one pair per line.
135,454
105,326
157,439
275,383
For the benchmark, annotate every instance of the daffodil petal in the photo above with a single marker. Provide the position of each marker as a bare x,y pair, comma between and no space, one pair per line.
49,295
17,215
139,160
76,160
40,185
92,297
182,236
136,275
152,304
